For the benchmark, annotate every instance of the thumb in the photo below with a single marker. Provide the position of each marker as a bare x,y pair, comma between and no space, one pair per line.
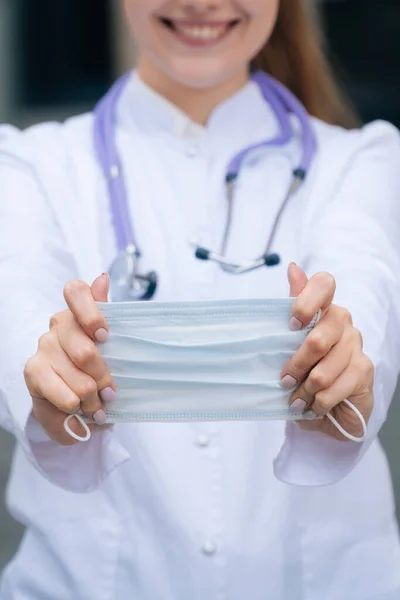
297,280
100,288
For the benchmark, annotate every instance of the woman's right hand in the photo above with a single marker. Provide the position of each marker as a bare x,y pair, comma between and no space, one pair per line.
67,373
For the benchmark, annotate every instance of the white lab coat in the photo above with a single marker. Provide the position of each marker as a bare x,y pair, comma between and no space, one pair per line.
216,511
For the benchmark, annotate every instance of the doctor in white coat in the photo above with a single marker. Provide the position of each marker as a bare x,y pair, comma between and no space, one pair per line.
216,511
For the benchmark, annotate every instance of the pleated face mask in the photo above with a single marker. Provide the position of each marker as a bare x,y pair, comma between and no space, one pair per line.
199,361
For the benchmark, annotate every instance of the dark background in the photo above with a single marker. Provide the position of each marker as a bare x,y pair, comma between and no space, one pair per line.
364,38
58,58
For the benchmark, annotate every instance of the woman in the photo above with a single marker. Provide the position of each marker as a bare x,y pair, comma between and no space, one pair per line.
206,510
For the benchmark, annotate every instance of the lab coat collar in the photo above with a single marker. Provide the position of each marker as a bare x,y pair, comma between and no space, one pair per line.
152,114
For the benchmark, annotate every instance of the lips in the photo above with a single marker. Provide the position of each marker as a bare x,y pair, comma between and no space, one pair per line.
199,33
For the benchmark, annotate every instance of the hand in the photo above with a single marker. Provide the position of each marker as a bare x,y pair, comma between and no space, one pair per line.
330,366
67,373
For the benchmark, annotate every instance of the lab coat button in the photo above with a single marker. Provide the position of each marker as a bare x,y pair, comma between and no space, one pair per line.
209,548
192,151
202,441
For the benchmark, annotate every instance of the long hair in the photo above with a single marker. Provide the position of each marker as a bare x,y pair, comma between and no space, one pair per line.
295,55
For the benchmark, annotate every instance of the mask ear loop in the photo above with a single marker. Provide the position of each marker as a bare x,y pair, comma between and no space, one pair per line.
72,433
350,437
338,426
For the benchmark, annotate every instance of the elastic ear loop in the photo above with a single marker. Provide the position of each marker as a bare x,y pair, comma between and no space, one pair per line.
350,437
343,431
72,433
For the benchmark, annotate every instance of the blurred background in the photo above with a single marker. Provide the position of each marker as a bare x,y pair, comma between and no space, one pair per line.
58,57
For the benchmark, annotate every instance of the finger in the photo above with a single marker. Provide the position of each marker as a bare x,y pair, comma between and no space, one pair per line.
346,386
316,346
321,377
78,295
297,279
317,295
52,422
84,386
100,288
83,352
43,382
327,370
351,385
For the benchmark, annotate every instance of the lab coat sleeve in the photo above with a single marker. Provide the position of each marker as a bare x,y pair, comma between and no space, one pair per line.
35,264
355,236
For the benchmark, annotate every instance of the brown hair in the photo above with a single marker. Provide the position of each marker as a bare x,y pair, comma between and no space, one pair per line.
295,55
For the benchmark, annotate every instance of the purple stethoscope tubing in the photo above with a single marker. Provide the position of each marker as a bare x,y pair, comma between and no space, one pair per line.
280,99
284,104
109,160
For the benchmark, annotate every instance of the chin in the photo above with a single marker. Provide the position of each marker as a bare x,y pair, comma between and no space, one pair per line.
201,74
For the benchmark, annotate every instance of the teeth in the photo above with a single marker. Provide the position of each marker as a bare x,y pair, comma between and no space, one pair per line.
202,33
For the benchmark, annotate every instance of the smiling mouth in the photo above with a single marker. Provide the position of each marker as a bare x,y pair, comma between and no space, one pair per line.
199,33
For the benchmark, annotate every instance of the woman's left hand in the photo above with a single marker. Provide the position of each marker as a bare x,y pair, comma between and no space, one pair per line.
330,365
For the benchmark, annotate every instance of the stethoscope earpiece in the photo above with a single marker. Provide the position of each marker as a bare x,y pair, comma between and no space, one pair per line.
272,260
202,254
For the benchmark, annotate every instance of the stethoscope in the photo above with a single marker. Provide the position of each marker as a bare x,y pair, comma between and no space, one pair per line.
127,283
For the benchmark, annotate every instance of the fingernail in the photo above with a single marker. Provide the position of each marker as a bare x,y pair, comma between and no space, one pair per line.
107,395
100,417
101,336
295,324
298,406
288,382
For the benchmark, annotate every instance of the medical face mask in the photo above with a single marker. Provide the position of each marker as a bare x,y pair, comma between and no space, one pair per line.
200,361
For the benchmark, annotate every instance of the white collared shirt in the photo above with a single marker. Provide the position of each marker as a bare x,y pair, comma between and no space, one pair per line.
222,511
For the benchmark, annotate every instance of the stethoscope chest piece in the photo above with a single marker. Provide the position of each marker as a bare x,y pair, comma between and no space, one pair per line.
126,283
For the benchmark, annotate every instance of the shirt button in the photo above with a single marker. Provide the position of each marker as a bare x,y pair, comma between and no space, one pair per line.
203,441
192,151
209,548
